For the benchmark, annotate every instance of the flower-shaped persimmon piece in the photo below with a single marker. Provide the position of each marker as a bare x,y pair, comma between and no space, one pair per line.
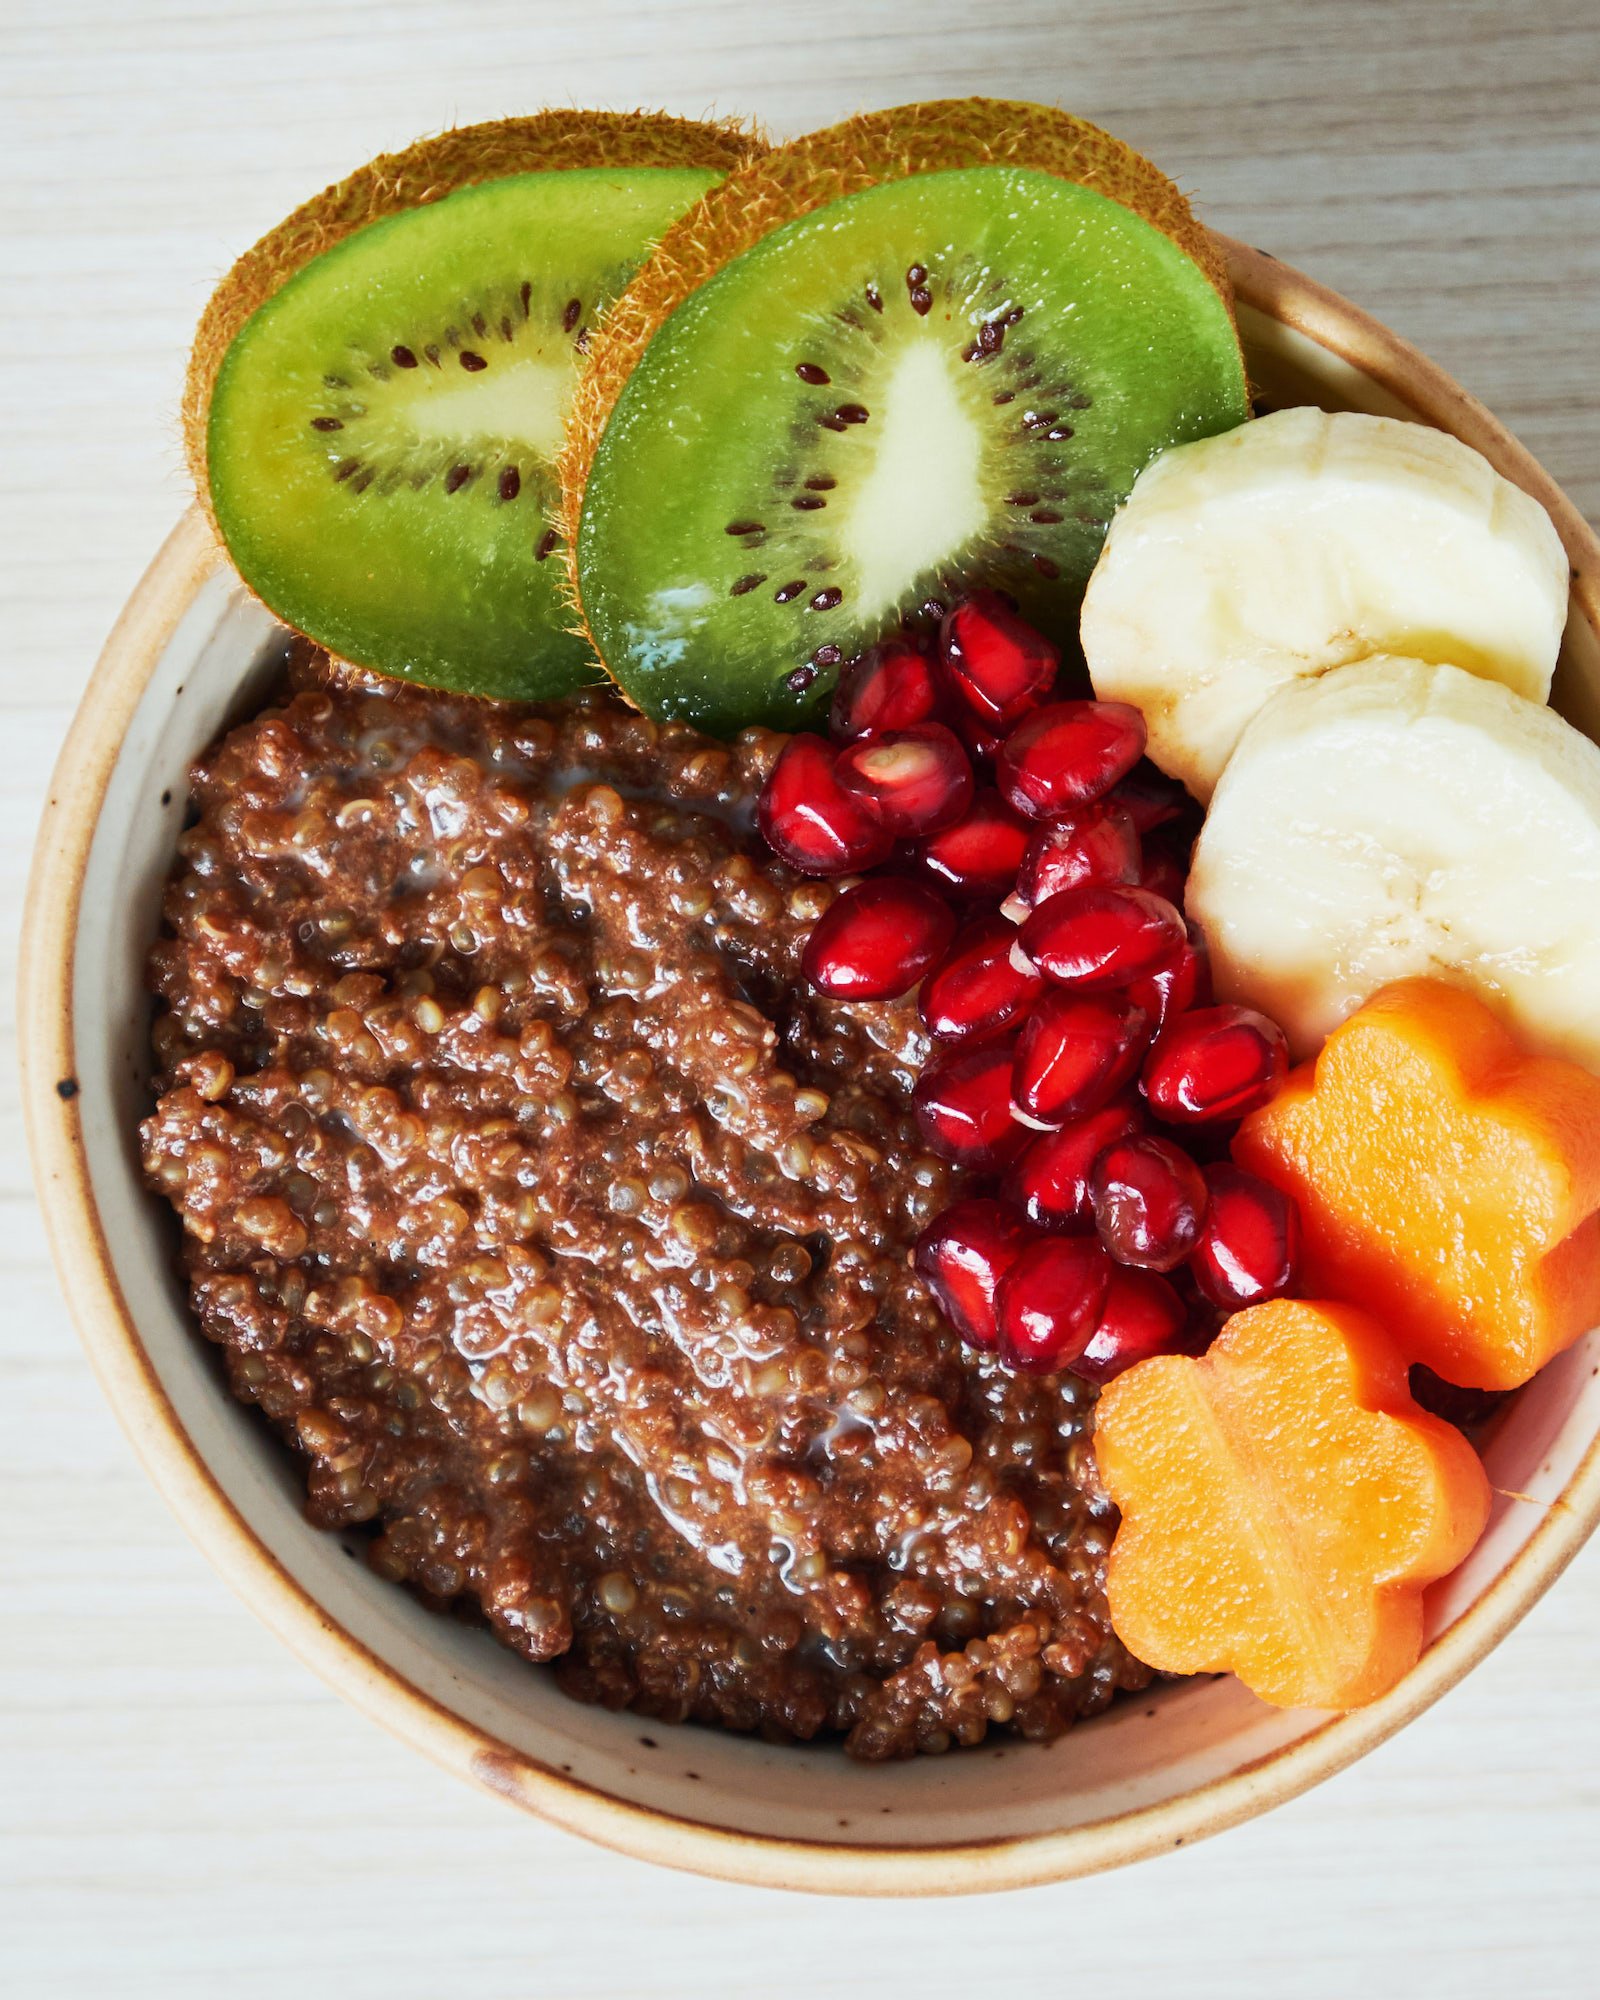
1284,1503
1448,1181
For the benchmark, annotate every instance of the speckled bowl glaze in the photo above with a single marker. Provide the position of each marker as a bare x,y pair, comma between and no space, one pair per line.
190,652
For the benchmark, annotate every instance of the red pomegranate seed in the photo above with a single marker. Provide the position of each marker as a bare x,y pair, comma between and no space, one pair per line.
1182,983
1153,799
999,665
1215,1062
1049,1303
980,854
1102,935
1062,756
1249,1249
911,781
963,1105
809,820
1164,868
961,1257
877,940
889,686
983,745
1467,1409
1075,1051
1097,844
1149,1202
1050,1183
1142,1316
978,990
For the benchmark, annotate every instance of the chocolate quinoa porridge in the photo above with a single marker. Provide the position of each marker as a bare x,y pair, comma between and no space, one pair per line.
565,1235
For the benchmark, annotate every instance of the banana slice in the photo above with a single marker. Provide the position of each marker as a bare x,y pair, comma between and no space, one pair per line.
1395,817
1301,542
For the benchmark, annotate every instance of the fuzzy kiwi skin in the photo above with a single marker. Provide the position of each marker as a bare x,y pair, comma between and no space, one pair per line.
807,174
427,172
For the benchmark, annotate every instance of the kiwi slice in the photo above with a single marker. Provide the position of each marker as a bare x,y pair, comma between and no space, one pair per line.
931,347
378,389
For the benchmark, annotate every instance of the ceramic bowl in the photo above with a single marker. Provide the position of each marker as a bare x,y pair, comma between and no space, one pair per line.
192,651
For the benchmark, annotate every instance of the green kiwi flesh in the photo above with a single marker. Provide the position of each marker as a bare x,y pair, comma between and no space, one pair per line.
943,380
381,434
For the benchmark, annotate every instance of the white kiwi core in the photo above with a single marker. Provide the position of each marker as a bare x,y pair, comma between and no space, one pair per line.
920,501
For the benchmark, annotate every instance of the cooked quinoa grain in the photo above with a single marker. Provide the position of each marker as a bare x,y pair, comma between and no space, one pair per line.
564,1235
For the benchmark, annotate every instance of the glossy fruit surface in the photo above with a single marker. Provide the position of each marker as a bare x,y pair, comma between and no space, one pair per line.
1153,799
1183,982
963,1106
912,781
998,664
397,504
1060,757
809,820
1075,1051
983,743
929,421
1142,1316
1149,1202
1215,1063
981,853
978,990
963,1255
1102,935
1096,844
889,686
909,781
1467,1409
1049,1303
1249,1250
877,940
1050,1182
1164,868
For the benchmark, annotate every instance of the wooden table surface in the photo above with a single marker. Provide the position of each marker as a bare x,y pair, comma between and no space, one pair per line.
183,1809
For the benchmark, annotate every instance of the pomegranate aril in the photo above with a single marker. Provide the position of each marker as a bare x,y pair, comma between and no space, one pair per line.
1465,1408
889,686
981,853
1164,868
1061,757
999,665
1149,1202
983,744
1050,1183
1182,983
1153,799
963,1106
961,1257
877,940
1142,1316
1097,844
809,820
1074,1053
978,990
912,781
1206,1320
1049,1303
1103,934
1215,1063
1249,1249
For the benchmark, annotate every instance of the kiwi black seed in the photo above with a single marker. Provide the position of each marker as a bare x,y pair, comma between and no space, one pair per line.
950,372
377,396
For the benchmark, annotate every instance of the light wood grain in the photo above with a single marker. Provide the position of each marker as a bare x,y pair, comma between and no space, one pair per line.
183,1810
